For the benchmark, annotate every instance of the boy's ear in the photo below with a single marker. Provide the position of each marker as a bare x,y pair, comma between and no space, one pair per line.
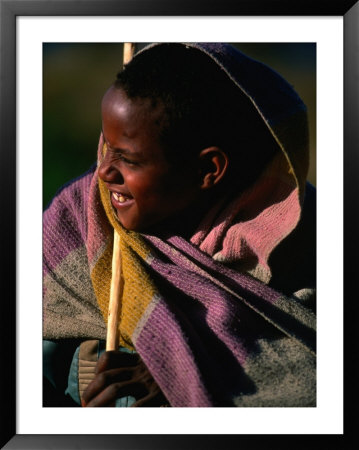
213,165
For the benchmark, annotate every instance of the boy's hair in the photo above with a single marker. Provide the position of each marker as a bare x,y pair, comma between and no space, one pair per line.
203,108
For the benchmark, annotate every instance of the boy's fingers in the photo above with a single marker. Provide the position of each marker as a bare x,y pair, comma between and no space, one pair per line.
108,396
105,379
115,359
112,383
150,400
145,401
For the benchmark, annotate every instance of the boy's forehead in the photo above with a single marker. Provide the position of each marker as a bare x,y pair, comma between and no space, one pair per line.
112,96
117,101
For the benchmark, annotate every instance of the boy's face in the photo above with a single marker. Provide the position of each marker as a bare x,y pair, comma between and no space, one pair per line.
145,188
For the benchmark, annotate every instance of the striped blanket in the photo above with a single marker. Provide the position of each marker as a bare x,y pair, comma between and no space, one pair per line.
200,313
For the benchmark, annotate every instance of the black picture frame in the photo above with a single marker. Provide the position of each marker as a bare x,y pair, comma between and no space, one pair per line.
9,10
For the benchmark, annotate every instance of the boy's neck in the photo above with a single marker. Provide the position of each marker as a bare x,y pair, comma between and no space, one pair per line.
185,223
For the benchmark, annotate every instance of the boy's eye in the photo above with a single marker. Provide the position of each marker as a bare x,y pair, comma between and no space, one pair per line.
126,160
119,156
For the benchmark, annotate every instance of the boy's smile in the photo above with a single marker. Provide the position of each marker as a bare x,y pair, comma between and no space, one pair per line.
145,188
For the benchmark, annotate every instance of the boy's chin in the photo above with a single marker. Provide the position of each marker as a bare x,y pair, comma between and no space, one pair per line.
174,224
159,228
136,226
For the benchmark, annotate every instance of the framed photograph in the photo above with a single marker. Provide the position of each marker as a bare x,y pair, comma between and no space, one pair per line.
32,33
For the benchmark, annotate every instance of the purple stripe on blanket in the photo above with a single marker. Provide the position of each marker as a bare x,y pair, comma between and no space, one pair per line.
247,283
230,287
256,295
69,207
220,311
188,356
194,259
163,347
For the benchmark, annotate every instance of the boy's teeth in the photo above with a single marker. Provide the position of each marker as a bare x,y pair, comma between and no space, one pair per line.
119,197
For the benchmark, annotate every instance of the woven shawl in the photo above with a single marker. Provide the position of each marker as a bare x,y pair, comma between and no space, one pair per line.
200,313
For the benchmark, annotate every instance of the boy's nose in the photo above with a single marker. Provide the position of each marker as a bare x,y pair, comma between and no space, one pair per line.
109,173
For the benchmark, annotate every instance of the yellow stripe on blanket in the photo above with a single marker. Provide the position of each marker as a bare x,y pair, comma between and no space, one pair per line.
138,290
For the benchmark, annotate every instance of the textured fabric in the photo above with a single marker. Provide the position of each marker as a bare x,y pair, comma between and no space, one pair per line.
87,360
73,379
210,335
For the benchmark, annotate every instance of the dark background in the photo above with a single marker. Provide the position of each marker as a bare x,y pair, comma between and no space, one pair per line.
76,75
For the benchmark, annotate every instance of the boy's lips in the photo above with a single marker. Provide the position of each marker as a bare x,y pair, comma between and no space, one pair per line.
118,191
120,199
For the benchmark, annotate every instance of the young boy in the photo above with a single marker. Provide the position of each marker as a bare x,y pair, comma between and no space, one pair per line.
201,170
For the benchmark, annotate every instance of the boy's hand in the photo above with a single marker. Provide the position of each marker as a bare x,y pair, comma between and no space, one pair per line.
121,374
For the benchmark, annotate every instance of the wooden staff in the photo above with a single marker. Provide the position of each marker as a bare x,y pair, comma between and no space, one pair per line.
128,51
115,296
112,340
